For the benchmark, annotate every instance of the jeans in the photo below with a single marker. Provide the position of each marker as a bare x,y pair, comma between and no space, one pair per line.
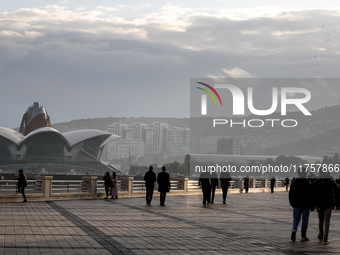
324,216
297,212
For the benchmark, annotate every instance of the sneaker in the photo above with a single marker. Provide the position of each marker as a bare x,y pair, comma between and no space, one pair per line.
320,238
304,238
106,198
24,201
325,241
293,236
223,202
111,197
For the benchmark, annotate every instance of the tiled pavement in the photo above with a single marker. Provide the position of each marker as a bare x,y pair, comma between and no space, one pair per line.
258,223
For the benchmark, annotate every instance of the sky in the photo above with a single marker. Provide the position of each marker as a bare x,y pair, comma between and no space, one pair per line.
89,59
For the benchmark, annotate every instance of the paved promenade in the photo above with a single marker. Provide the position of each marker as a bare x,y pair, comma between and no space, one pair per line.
258,223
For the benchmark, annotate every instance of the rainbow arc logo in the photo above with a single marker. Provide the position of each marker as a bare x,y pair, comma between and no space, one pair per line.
209,93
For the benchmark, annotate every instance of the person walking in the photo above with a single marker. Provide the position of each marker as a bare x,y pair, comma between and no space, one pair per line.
225,179
272,184
163,180
301,199
246,183
149,178
107,183
204,182
326,197
287,183
22,183
114,188
213,185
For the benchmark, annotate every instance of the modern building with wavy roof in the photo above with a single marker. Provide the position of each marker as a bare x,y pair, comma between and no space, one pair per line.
37,142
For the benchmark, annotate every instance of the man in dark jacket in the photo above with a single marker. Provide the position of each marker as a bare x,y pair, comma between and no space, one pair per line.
149,178
225,179
204,182
246,183
272,184
163,180
301,199
326,197
213,185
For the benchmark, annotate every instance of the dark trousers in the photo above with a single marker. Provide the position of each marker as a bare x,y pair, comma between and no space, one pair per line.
324,217
107,188
21,189
149,194
162,196
246,187
213,194
206,194
272,187
225,192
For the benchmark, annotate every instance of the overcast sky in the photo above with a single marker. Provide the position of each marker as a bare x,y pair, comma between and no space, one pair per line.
88,59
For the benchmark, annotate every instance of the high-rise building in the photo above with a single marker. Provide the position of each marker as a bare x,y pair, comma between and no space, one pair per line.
178,141
121,149
230,146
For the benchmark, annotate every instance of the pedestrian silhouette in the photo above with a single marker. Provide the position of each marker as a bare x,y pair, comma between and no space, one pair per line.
246,183
301,199
225,179
272,184
213,185
149,178
163,180
204,182
22,183
326,197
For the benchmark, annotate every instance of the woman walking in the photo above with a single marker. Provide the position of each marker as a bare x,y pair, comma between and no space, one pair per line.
114,188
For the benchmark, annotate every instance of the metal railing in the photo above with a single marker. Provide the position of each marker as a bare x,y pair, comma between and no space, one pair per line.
101,186
139,186
10,187
74,186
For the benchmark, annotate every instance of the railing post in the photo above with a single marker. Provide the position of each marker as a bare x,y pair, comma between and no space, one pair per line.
185,185
265,183
91,185
276,183
240,185
254,183
130,185
47,184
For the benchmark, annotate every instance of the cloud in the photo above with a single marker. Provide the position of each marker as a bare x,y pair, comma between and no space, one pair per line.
100,63
237,73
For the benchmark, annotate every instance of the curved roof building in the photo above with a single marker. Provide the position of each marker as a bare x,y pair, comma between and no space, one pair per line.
38,142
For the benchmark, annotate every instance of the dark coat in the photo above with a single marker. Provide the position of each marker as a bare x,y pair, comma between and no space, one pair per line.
204,180
301,193
213,180
225,179
22,181
326,193
107,181
163,180
149,178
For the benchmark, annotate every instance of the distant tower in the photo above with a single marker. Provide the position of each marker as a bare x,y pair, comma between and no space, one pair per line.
35,117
